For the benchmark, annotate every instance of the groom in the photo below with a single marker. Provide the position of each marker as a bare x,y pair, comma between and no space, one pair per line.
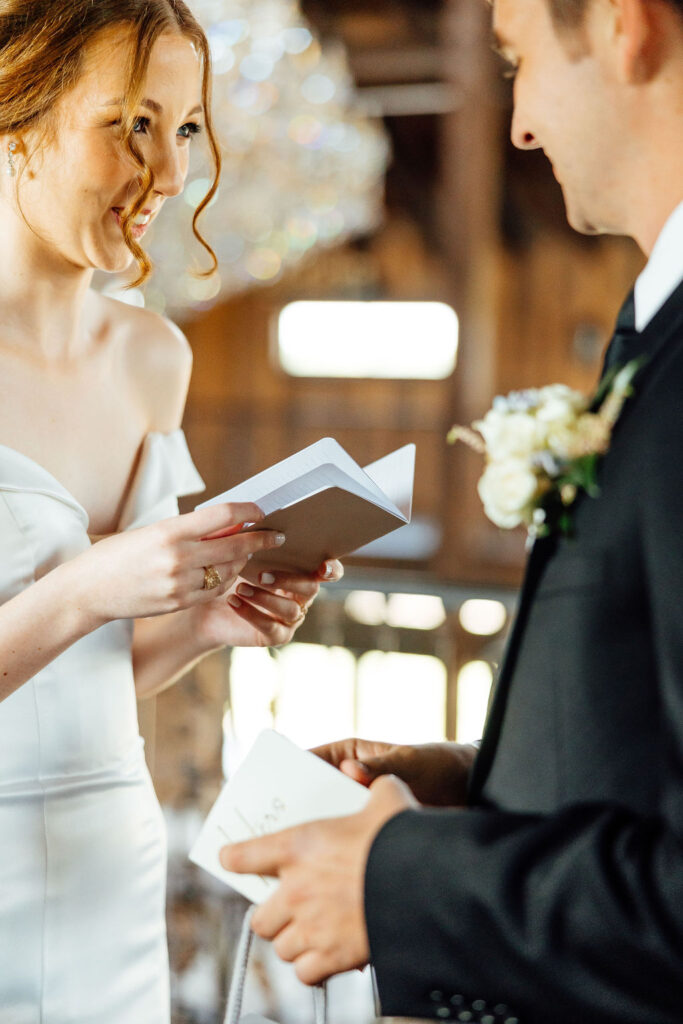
555,895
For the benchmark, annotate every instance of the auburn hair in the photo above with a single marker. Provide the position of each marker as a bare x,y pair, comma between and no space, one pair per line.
42,47
570,13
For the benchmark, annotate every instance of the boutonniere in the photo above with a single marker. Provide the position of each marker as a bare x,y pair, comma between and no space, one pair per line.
542,447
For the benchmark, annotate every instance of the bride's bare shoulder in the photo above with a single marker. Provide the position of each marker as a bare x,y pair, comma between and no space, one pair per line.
157,359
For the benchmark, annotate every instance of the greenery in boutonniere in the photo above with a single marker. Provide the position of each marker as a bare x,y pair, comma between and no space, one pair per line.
542,446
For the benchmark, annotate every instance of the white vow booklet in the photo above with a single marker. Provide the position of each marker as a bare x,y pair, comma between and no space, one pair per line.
325,504
278,785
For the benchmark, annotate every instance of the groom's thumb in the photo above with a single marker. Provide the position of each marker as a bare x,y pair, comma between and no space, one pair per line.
370,769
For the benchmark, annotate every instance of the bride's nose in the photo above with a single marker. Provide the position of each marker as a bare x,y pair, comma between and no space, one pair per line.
170,170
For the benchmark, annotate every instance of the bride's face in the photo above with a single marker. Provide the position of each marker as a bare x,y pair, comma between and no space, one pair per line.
77,184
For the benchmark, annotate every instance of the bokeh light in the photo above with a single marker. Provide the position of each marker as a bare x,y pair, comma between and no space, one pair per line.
483,617
303,167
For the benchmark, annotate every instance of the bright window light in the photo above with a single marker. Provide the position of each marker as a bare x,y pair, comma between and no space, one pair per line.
402,611
415,611
483,617
401,697
316,693
474,687
393,340
253,686
305,692
366,606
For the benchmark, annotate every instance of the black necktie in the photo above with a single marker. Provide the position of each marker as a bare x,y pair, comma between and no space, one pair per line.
624,345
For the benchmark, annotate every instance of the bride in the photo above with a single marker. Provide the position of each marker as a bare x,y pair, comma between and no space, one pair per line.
105,593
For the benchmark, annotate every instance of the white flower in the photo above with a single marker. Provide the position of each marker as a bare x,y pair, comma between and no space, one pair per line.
508,490
541,449
510,434
559,406
517,401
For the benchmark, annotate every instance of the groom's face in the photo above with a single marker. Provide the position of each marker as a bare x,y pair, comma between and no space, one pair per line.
564,102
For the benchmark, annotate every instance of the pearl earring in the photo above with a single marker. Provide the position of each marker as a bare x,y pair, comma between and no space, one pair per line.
11,169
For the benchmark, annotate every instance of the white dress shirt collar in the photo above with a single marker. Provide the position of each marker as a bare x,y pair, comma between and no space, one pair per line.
663,272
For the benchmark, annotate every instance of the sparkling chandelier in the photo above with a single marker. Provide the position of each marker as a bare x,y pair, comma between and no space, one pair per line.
302,166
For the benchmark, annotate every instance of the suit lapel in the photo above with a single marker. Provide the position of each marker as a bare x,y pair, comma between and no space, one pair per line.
538,557
647,343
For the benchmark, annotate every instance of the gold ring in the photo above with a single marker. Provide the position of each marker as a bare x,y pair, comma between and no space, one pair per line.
212,578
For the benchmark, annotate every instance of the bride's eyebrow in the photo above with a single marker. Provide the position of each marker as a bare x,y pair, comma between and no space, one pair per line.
154,106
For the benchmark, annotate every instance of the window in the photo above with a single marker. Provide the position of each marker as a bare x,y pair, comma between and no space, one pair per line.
390,340
314,694
474,688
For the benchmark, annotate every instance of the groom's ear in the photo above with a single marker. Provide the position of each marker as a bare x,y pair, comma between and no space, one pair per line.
636,28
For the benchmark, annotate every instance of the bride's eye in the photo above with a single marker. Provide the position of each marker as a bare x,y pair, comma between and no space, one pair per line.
189,129
140,125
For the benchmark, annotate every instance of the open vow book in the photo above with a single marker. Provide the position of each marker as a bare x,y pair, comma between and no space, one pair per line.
277,786
325,504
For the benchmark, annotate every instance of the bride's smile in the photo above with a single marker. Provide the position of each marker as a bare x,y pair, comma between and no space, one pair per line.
140,221
74,191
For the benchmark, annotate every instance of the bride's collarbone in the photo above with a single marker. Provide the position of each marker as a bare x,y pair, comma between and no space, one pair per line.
85,423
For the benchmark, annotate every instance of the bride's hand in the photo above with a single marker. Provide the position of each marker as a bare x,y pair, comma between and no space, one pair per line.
263,610
160,568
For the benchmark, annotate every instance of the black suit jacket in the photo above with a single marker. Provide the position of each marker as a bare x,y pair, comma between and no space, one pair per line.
557,898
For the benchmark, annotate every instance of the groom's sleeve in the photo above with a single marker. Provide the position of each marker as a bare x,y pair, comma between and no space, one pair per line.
575,917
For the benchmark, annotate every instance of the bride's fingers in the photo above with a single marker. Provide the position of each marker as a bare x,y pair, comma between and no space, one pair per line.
235,548
285,609
303,587
204,582
215,519
331,571
273,631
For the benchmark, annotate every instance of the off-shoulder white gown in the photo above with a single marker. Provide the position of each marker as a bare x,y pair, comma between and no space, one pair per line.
82,844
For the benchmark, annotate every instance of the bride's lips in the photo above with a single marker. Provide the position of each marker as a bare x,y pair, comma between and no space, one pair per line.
141,221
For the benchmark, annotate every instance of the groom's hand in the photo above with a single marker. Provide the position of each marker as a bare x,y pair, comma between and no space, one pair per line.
316,917
437,773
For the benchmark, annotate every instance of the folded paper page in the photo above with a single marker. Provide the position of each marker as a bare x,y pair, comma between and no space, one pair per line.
394,475
277,786
325,504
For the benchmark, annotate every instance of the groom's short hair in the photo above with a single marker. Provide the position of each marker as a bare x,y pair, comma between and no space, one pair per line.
570,13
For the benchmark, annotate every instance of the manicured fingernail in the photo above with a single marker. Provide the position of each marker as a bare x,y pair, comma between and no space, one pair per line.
234,601
245,591
267,578
279,539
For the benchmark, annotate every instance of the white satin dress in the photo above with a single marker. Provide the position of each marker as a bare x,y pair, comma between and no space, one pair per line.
82,841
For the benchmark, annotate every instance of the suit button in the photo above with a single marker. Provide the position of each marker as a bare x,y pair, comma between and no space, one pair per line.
478,1005
501,1009
511,1020
436,996
465,1015
488,1019
443,1012
457,1000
